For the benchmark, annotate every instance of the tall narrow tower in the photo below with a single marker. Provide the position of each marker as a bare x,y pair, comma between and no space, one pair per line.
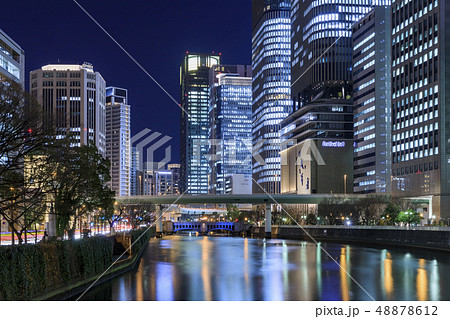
271,56
194,82
118,150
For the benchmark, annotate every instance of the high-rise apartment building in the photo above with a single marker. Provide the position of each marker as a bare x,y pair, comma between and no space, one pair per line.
194,78
73,98
12,60
420,102
230,126
118,129
271,56
372,101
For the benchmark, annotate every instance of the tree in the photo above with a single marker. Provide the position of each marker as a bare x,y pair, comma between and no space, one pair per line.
331,210
409,217
79,184
233,212
390,214
311,219
137,214
22,136
369,209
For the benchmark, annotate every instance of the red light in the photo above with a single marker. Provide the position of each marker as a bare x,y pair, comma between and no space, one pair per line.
220,53
30,130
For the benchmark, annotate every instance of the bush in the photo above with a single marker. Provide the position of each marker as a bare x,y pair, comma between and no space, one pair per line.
139,244
27,271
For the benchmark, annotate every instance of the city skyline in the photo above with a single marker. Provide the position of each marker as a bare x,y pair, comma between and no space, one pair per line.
77,39
166,152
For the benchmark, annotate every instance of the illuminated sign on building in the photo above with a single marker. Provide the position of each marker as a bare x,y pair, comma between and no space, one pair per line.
333,144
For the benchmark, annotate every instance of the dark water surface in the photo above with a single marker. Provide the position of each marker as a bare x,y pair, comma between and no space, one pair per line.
231,268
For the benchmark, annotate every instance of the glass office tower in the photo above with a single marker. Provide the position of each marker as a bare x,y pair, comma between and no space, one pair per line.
271,27
420,103
230,127
372,102
322,92
194,81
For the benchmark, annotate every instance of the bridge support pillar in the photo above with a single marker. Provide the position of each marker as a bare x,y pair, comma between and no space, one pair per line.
159,221
268,220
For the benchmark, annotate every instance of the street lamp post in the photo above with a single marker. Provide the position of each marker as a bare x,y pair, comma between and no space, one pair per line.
345,183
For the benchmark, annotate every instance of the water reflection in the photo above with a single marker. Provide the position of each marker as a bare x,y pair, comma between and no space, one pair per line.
226,268
422,281
388,279
344,271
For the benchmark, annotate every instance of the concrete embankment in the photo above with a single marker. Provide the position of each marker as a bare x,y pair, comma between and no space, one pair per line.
130,259
418,237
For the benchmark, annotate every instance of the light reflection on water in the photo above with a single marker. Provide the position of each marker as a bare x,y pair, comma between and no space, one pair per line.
230,268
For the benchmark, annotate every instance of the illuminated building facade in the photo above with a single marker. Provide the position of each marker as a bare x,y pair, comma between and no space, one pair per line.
317,149
322,47
322,93
230,126
164,182
118,150
12,60
73,98
271,56
194,78
135,167
420,102
176,173
372,101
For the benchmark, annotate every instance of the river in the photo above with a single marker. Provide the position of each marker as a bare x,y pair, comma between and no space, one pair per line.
233,268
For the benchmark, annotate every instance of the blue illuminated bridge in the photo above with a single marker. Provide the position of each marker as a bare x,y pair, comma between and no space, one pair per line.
202,227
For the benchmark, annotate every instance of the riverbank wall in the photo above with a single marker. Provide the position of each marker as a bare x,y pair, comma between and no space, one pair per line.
60,270
437,238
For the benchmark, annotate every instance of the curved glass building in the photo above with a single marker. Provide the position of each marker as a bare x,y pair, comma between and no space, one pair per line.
271,54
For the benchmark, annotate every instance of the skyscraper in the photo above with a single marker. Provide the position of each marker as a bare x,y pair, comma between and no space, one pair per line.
118,150
322,91
176,172
372,101
230,126
135,167
73,101
12,60
194,81
271,53
420,102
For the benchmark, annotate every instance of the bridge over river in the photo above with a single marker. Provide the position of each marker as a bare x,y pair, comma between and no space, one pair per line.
203,227
270,201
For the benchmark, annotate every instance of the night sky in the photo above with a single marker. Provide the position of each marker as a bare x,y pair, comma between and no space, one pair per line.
157,33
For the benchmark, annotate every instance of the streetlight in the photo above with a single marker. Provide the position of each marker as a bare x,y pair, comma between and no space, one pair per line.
345,183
